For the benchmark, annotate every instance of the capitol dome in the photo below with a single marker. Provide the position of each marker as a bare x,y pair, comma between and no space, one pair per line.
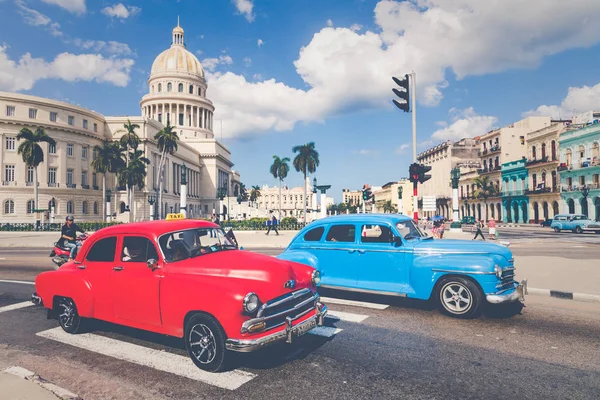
177,58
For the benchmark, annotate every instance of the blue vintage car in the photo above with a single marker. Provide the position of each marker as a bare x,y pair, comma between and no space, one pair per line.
388,254
577,223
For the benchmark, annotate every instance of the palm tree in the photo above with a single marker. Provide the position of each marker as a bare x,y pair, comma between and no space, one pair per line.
107,158
130,140
279,169
166,140
243,192
485,189
32,153
134,174
306,162
254,193
389,207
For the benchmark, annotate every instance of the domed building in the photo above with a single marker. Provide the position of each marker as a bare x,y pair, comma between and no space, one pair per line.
177,95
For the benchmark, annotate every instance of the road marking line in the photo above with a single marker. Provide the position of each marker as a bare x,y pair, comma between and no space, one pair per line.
21,282
325,331
354,303
344,316
157,359
16,306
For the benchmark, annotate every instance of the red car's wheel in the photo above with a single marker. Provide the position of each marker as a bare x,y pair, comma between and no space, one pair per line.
205,342
68,317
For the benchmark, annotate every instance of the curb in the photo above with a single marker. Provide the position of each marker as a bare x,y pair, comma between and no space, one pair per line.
558,294
59,392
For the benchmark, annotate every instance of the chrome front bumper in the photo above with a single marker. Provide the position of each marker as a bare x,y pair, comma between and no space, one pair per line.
517,295
35,299
249,345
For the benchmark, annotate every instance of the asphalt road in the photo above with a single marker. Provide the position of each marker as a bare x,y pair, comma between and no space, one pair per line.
407,350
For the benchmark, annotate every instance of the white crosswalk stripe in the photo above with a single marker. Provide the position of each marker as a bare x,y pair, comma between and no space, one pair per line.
346,316
16,306
157,359
325,331
355,303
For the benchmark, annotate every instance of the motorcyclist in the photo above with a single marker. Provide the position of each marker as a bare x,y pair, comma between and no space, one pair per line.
68,234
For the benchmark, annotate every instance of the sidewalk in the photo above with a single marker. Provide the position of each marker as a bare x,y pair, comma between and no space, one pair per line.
17,383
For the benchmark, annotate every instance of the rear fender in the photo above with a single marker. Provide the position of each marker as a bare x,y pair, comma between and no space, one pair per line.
65,283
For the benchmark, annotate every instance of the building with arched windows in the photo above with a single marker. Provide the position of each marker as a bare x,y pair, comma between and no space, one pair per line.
177,95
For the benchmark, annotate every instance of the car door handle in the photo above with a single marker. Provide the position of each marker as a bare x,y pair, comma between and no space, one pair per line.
351,251
361,251
81,266
118,268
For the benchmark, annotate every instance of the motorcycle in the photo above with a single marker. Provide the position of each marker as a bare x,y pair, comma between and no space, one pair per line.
60,254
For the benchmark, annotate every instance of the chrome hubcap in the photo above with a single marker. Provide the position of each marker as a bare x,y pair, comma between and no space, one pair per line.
456,298
202,344
67,314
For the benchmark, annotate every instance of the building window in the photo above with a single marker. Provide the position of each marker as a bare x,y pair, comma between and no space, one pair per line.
95,127
29,174
191,89
69,177
159,117
10,143
180,119
533,153
70,150
53,116
94,179
159,87
71,120
9,173
30,206
51,176
32,113
9,207
84,177
84,207
169,87
534,178
180,88
95,208
85,124
582,180
10,111
52,148
569,182
84,151
70,207
199,92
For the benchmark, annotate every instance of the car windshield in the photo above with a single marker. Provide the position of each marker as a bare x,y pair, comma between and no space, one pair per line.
181,245
409,230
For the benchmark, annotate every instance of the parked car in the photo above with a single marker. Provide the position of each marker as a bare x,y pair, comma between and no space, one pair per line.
577,223
468,220
388,254
546,223
187,279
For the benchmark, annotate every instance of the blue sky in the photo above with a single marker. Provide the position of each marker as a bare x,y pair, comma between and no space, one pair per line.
283,73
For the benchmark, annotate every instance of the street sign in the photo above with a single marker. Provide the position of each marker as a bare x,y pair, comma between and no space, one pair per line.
429,203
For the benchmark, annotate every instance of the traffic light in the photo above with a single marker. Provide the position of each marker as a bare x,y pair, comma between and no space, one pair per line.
366,193
369,194
402,94
422,176
413,172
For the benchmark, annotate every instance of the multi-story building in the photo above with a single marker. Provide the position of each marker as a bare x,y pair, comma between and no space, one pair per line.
389,192
291,201
580,170
515,203
352,197
543,189
442,158
177,94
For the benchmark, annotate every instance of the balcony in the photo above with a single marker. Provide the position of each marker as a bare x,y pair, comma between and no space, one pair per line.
85,186
71,185
591,186
95,187
488,170
495,149
539,190
518,192
9,183
482,152
53,184
28,183
539,161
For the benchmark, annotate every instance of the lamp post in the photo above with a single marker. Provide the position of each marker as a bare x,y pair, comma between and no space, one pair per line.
585,191
455,177
108,197
323,189
156,199
183,191
151,201
52,208
400,203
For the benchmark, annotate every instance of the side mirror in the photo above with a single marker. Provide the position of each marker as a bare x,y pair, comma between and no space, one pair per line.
152,264
397,241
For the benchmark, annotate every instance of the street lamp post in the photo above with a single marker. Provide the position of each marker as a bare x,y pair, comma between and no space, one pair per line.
108,197
585,191
156,198
400,203
455,177
323,189
183,191
151,201
52,208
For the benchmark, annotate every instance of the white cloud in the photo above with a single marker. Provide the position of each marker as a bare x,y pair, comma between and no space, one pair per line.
110,47
244,7
121,11
210,64
22,75
74,6
259,43
247,61
465,124
329,23
579,99
355,27
35,18
365,152
402,149
257,77
433,37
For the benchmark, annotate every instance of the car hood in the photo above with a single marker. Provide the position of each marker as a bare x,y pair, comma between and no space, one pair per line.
264,275
452,246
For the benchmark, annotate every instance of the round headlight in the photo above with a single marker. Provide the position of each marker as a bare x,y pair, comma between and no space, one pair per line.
498,271
315,277
250,302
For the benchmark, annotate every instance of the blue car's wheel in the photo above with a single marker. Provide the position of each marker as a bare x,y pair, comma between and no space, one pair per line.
556,229
460,297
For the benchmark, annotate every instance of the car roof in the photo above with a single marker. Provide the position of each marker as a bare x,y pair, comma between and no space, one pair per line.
353,218
157,227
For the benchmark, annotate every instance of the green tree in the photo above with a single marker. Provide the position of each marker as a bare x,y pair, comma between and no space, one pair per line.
388,207
32,152
134,174
107,159
243,192
306,161
485,190
280,169
130,140
166,140
254,193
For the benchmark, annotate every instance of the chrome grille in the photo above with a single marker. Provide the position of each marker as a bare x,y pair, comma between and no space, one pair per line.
508,279
293,305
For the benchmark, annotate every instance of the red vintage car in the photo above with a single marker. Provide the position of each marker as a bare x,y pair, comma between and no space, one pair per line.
184,278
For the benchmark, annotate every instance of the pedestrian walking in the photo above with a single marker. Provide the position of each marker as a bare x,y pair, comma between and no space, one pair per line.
442,228
272,224
492,228
479,231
